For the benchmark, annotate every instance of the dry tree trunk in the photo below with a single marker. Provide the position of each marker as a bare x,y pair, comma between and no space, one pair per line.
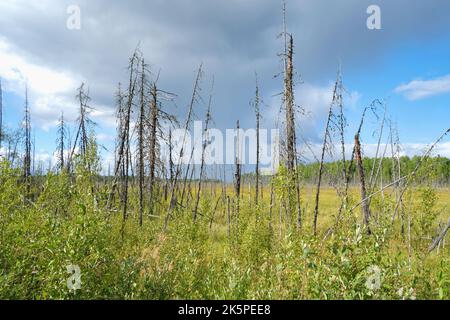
211,221
324,149
141,125
118,163
359,164
228,218
224,188
27,159
350,169
122,161
189,195
439,238
126,179
202,165
290,120
171,172
289,104
297,189
380,170
258,119
372,181
342,124
407,177
153,143
185,180
61,142
413,174
178,168
271,204
237,175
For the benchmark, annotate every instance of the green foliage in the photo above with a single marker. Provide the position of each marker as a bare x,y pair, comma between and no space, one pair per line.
68,224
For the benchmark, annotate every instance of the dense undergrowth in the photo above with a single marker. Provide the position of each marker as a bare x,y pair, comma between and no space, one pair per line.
65,222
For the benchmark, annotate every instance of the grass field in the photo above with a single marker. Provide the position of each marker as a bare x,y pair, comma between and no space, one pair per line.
263,257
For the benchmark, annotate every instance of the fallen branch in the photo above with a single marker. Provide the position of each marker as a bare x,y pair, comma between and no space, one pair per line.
439,238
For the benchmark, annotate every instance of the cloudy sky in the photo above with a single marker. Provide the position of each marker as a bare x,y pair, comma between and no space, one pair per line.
406,62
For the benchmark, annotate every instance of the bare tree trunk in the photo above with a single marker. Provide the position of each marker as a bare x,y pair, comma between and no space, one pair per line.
228,218
258,119
186,127
271,204
324,149
289,105
350,169
202,165
123,149
27,159
61,141
141,125
186,175
171,171
34,152
342,124
126,178
237,175
359,164
413,174
153,142
297,189
440,237
372,172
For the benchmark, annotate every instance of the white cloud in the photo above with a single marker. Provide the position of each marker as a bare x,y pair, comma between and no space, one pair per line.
420,89
50,91
316,100
17,71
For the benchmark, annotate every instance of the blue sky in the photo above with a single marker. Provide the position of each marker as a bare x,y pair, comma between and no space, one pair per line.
407,62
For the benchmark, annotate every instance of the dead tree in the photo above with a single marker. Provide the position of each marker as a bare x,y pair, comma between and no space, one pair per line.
141,129
325,147
439,238
237,174
291,149
290,112
82,136
341,127
120,119
297,187
171,164
153,141
205,143
365,203
27,146
154,133
413,174
258,120
377,160
173,188
34,153
123,150
61,142
350,169
228,218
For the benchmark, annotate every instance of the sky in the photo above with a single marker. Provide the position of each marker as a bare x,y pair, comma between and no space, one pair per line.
405,63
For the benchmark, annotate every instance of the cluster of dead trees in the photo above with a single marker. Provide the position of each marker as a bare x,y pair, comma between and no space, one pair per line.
164,187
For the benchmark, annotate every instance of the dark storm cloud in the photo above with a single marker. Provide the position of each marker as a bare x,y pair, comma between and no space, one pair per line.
232,38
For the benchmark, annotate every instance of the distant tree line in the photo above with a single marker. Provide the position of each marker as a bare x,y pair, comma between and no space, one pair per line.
438,166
